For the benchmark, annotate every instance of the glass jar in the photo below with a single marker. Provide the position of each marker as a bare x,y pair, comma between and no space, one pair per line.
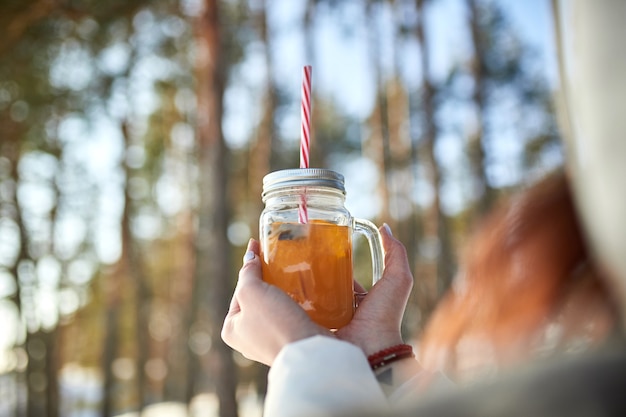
306,234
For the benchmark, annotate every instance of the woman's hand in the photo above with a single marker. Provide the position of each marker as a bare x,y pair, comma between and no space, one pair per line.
377,320
262,319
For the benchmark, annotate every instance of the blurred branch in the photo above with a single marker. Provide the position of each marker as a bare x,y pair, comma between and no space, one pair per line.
18,23
21,22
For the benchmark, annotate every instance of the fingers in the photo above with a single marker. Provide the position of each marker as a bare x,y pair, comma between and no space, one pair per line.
250,281
377,321
397,270
248,286
397,280
249,271
254,246
359,293
263,318
251,267
252,251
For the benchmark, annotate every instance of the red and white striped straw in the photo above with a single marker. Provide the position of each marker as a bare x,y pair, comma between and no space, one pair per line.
305,135
305,114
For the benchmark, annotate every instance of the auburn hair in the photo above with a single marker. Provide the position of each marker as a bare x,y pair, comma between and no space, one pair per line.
526,287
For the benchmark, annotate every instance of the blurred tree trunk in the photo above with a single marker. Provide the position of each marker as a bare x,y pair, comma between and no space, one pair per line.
51,337
181,312
400,145
124,270
11,150
51,340
376,146
112,288
212,278
42,372
133,266
34,374
130,267
260,153
433,257
476,150
182,252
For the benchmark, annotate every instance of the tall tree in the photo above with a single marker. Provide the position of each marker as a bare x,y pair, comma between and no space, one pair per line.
260,150
135,271
404,160
213,251
505,73
376,146
433,258
475,147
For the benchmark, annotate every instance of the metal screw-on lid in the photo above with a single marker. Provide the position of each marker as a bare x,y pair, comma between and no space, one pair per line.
303,177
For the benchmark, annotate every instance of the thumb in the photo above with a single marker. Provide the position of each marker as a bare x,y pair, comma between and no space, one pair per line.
397,276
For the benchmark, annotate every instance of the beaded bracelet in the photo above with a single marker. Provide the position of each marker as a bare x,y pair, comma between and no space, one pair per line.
389,355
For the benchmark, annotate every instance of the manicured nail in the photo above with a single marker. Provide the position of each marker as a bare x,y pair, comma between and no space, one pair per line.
248,256
387,229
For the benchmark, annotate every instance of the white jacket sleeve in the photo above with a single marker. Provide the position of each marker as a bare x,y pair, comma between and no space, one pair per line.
318,376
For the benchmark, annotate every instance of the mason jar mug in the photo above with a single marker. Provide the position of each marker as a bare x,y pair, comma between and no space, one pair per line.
306,242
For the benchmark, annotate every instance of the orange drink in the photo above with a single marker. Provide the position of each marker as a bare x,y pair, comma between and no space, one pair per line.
313,264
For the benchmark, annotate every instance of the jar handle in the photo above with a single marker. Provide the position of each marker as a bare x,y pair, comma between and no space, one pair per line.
371,233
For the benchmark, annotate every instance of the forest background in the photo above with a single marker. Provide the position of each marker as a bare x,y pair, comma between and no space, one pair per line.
134,135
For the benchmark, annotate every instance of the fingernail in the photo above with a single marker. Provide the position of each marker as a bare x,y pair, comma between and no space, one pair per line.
248,256
387,229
